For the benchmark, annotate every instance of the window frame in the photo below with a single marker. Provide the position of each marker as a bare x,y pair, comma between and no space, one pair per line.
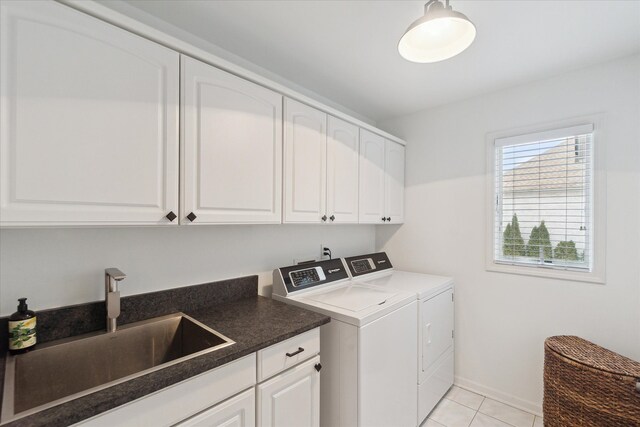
598,210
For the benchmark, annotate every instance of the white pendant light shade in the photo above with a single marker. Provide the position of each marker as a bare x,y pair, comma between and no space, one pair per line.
440,34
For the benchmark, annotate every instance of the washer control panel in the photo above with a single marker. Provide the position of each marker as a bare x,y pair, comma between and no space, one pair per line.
306,277
287,280
363,264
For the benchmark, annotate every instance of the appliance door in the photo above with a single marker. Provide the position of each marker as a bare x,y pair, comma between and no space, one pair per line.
436,329
387,372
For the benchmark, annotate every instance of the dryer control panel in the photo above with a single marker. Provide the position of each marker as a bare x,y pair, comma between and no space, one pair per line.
287,280
371,263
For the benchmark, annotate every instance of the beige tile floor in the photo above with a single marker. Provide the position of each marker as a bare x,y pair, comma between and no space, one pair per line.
462,408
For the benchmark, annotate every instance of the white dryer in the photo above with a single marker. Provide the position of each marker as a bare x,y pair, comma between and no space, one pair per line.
435,329
367,350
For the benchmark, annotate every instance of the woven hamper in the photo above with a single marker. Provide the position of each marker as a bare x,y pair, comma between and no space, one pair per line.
586,385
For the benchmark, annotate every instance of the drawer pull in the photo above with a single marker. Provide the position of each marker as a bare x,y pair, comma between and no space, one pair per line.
318,367
300,350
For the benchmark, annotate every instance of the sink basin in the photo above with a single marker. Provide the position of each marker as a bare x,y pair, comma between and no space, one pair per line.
62,370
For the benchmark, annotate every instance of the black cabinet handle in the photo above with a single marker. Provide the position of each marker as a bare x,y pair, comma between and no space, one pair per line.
324,218
384,219
332,217
298,351
318,367
191,217
171,216
388,218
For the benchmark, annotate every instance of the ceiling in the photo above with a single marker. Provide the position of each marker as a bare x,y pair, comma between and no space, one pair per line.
346,51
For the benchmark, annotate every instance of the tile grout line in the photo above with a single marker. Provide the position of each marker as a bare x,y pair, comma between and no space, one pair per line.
498,419
512,407
466,406
474,417
484,398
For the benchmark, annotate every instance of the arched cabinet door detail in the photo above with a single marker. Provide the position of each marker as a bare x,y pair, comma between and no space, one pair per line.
89,121
231,148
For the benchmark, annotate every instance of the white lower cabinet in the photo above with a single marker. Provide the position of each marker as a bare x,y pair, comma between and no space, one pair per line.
239,411
177,403
228,396
291,399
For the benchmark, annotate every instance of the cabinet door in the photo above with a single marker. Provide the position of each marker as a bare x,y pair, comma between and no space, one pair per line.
436,328
372,178
394,182
232,148
291,399
88,121
342,171
305,174
239,411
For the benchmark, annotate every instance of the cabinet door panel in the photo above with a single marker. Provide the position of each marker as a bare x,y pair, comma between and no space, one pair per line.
305,145
394,182
232,148
342,170
291,399
239,411
89,121
372,178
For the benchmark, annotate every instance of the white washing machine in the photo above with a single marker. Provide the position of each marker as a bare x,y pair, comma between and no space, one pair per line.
367,350
435,329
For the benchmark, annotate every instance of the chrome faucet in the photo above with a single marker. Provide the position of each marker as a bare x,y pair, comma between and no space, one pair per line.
112,296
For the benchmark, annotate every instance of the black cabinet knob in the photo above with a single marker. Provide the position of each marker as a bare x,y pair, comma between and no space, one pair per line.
324,218
171,216
384,219
191,217
332,217
388,218
318,367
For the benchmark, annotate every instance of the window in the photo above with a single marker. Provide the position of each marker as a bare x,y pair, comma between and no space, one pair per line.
543,199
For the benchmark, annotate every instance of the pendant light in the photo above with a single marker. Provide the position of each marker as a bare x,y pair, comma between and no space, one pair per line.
440,34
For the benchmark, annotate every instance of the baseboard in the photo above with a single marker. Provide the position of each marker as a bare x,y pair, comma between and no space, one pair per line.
508,399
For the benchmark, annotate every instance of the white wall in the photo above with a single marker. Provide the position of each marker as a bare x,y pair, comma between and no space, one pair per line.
56,267
502,319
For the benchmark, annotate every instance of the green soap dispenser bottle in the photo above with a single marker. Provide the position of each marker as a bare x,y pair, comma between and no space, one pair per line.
22,329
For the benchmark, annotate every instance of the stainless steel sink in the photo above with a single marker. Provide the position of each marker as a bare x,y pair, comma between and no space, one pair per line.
66,369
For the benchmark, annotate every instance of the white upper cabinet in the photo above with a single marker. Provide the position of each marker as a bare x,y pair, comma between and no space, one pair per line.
88,121
381,180
394,182
372,178
231,148
305,172
342,171
321,166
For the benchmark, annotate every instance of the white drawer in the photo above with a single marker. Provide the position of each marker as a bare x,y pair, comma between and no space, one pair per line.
274,359
435,386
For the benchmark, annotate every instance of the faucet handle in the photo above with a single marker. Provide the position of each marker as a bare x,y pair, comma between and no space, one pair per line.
115,273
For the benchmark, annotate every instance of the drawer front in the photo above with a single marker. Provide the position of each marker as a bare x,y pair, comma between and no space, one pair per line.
274,359
435,386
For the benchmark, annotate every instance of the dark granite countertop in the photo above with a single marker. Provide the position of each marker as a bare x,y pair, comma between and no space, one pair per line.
235,310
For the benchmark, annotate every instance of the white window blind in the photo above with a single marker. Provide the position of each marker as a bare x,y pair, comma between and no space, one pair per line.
544,192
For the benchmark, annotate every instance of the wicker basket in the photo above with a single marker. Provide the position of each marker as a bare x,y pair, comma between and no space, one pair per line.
587,385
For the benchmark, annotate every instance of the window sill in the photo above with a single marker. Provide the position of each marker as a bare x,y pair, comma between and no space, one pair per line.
547,272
